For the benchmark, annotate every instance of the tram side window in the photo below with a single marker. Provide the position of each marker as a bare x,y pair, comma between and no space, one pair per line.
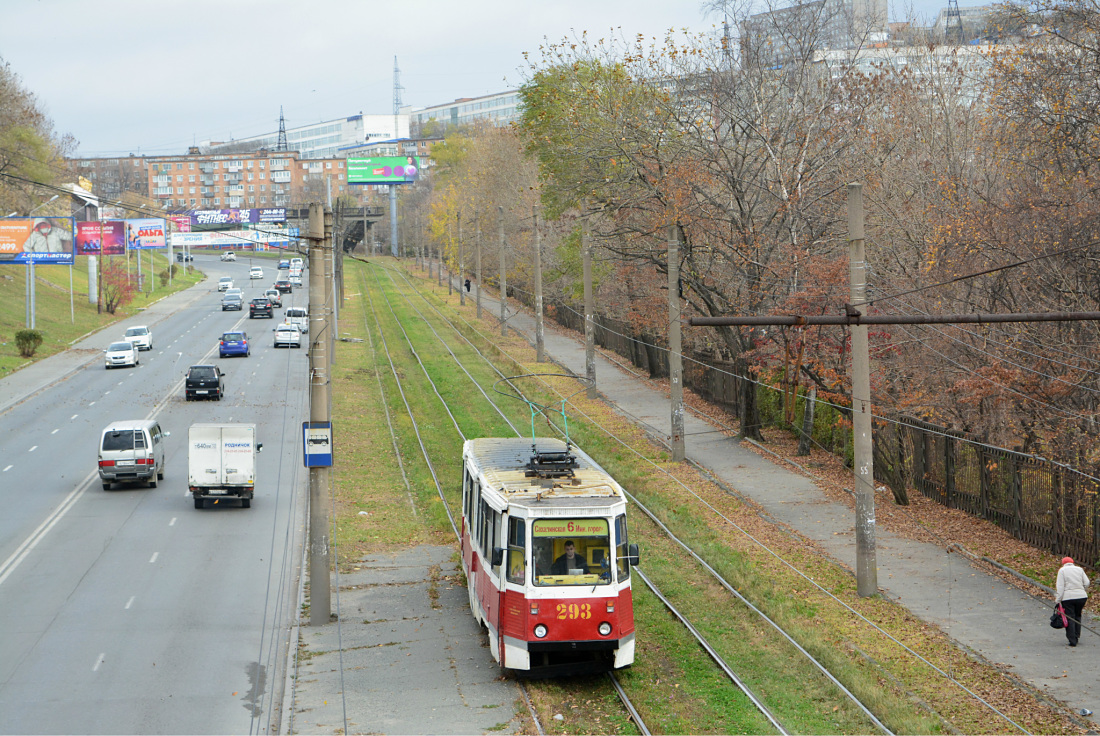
552,540
486,528
517,557
466,492
475,508
621,542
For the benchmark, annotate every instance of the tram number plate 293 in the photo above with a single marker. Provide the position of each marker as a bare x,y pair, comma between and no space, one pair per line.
574,610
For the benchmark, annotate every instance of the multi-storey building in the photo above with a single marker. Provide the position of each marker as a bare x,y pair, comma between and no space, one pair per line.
111,177
497,109
802,29
320,140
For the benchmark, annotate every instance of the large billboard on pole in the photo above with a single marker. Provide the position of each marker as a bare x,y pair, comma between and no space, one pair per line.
106,238
200,218
384,170
145,233
36,240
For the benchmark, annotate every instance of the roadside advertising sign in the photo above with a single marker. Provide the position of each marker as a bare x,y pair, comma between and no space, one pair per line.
237,217
228,239
36,240
145,233
182,223
384,170
106,238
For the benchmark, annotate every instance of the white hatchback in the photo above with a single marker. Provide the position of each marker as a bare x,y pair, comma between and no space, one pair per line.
255,272
288,335
121,354
140,337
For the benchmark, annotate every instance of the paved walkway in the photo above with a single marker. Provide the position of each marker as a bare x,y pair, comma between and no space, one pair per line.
979,610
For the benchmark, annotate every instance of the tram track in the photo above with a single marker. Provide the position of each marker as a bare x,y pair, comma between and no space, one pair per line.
722,665
458,331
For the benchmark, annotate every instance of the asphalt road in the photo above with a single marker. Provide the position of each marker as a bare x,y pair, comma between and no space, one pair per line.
129,611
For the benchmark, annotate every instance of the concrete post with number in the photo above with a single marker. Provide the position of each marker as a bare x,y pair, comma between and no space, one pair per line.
675,355
503,269
477,264
589,316
540,334
319,402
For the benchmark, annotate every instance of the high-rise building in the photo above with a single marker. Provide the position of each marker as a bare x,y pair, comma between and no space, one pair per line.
800,30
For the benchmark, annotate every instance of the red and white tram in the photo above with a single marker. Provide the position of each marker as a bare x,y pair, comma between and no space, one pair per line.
549,610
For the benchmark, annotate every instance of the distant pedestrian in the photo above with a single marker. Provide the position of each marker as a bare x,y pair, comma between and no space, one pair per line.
1071,588
467,285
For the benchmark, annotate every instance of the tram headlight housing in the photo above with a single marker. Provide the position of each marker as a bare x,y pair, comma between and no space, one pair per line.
541,631
604,629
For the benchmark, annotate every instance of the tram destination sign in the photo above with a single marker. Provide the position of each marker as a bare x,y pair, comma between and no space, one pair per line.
569,527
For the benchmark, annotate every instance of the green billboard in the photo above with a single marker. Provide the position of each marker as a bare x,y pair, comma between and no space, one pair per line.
384,170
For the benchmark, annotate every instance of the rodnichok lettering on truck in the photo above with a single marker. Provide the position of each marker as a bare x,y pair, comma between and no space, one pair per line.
221,462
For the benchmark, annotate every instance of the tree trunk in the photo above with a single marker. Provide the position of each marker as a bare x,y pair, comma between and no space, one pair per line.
806,435
750,409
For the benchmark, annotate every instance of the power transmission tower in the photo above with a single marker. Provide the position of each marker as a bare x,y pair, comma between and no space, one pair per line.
281,144
952,27
397,90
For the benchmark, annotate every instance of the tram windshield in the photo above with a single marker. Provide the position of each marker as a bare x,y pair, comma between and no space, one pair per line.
571,551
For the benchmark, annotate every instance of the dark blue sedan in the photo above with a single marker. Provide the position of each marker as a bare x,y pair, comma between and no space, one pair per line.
234,343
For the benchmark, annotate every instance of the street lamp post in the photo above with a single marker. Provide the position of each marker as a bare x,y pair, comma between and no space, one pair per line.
30,272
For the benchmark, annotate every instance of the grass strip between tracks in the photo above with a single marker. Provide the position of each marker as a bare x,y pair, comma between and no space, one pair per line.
672,682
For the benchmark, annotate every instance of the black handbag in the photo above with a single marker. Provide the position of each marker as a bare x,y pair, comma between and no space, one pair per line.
1058,618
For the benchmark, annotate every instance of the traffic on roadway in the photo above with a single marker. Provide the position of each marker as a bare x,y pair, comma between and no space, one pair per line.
128,605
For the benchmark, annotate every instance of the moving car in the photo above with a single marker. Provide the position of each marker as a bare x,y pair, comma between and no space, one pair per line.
283,285
121,353
229,256
275,297
232,301
260,307
298,317
140,337
234,343
286,334
204,382
221,462
297,263
225,283
283,264
295,278
235,292
132,452
181,257
255,273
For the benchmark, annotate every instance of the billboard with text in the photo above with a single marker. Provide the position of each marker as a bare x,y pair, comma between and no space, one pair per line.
101,238
145,233
36,240
215,218
384,170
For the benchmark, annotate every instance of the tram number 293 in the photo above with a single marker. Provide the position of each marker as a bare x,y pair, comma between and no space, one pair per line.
574,610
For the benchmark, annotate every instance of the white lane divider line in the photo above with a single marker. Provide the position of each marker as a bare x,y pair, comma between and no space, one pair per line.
33,449
172,522
91,404
129,603
154,557
8,468
99,661
56,431
74,416
106,392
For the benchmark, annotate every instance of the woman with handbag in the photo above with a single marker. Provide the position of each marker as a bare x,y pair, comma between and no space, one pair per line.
1072,582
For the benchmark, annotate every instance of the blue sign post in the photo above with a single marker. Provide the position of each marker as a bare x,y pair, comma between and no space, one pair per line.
317,444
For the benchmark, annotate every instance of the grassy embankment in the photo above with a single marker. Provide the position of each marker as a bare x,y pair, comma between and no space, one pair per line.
675,686
59,325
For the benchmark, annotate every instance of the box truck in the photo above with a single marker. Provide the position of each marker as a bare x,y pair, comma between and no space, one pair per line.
221,462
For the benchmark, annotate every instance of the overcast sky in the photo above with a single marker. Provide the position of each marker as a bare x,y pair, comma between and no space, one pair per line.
155,76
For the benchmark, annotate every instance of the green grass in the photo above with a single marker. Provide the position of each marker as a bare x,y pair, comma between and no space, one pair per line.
60,324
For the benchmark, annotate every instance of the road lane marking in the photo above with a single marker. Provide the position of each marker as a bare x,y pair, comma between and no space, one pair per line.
129,603
8,468
106,392
55,431
74,416
91,404
153,558
99,661
172,522
33,449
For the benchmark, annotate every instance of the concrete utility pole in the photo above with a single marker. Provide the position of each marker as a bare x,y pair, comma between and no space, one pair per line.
477,264
461,264
393,220
866,567
540,338
503,271
675,355
319,401
589,315
330,291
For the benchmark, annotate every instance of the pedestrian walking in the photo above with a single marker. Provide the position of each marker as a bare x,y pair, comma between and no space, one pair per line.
467,285
1071,593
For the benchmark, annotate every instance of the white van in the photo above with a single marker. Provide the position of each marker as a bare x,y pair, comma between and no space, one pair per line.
132,452
297,316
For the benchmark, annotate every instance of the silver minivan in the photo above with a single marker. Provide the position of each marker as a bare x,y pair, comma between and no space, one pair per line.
132,452
297,316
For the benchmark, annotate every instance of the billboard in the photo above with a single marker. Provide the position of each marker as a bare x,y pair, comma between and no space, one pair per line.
237,217
145,233
384,170
106,238
182,222
36,239
230,239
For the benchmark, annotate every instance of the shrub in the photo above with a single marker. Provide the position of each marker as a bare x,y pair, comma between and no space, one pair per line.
163,275
28,341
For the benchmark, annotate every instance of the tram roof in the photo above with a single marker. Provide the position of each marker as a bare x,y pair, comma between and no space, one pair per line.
503,463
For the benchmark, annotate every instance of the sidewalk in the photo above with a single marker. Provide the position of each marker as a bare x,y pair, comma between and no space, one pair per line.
980,611
26,382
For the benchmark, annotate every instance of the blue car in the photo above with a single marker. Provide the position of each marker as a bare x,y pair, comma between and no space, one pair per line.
234,343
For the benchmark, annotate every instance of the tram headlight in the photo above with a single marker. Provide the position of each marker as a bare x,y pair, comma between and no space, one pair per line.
541,631
605,629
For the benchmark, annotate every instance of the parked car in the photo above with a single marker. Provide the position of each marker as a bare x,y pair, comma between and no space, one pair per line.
275,297
121,353
225,283
234,343
283,285
255,273
132,452
140,337
298,317
260,307
232,301
284,264
286,334
229,256
204,382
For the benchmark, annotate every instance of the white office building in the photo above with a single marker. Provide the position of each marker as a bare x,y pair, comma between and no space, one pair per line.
323,139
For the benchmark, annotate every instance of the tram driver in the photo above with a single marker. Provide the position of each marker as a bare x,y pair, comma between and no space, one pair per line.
569,561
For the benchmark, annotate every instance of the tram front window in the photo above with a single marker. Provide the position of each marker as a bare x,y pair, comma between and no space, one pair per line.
571,551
